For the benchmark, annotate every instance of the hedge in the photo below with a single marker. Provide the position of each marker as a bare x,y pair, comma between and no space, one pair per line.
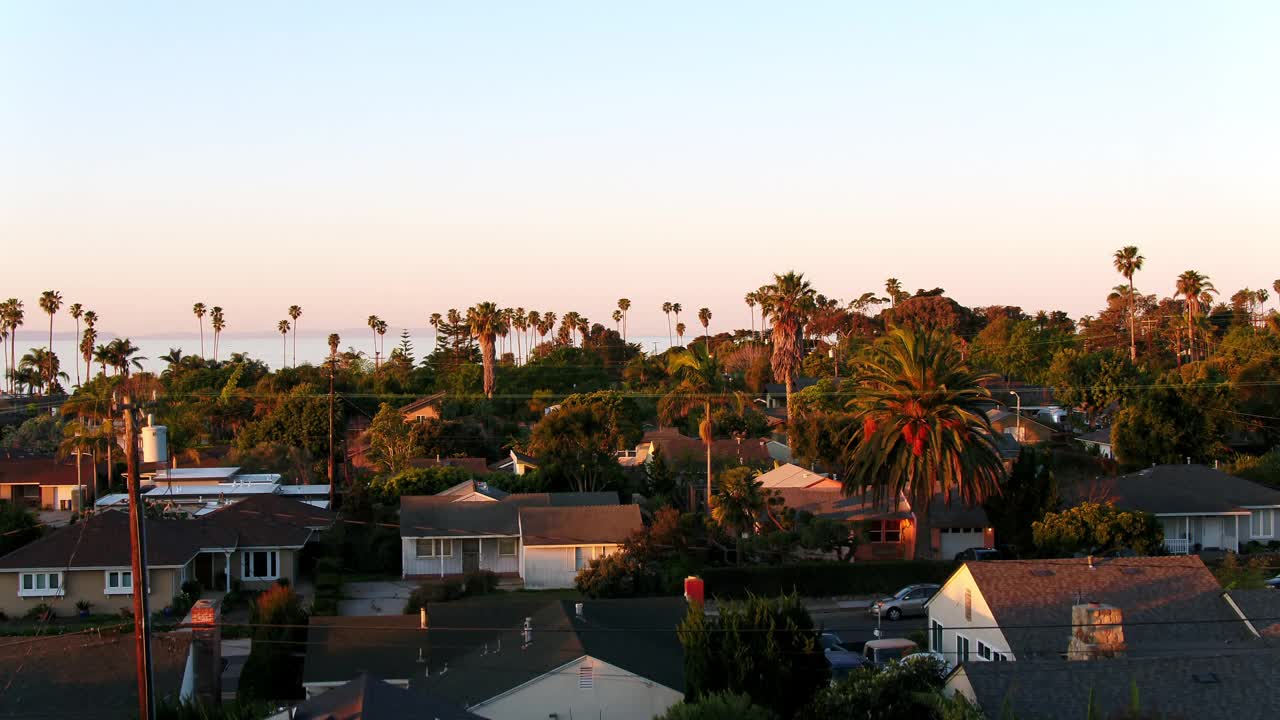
822,579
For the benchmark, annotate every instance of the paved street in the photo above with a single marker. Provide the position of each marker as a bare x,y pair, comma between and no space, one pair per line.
855,627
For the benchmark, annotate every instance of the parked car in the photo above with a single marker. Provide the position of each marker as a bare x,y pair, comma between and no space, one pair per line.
842,660
909,600
977,553
880,652
1274,583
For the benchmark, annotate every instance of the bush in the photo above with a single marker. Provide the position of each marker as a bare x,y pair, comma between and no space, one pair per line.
822,579
182,602
433,592
42,612
481,582
273,670
718,706
327,565
192,588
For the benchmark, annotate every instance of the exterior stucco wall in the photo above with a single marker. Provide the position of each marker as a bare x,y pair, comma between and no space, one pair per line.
286,568
554,567
89,585
948,608
614,694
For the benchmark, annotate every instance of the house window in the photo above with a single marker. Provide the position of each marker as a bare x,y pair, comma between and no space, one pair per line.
506,547
41,584
984,651
962,649
935,636
584,555
884,531
434,547
1262,524
119,582
999,656
968,604
64,504
260,564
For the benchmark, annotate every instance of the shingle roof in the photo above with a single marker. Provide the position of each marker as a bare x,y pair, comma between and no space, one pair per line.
370,698
1101,437
675,445
270,521
563,499
83,675
422,402
443,516
831,503
1031,601
39,471
578,525
1262,607
466,487
1176,489
1240,686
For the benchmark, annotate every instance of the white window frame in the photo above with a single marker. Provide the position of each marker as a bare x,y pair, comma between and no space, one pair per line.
515,547
50,589
436,547
584,555
962,656
1262,523
997,656
246,565
935,635
984,651
120,588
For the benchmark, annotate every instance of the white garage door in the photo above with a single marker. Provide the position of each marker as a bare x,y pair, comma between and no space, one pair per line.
956,540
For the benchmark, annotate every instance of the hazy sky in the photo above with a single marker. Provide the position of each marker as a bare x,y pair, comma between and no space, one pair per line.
402,158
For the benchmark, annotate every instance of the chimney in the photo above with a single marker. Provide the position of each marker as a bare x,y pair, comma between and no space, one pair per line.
206,651
1097,631
422,618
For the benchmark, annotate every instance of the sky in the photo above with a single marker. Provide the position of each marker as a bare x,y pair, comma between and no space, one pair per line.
399,159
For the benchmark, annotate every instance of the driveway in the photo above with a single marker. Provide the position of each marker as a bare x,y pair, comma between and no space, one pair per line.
382,597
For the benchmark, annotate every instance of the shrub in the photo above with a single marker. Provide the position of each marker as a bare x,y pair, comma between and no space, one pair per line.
83,606
433,592
42,612
273,670
481,582
822,579
192,588
182,602
718,706
327,565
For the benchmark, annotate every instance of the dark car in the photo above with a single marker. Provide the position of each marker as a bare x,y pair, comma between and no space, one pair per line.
977,553
909,600
1274,583
842,660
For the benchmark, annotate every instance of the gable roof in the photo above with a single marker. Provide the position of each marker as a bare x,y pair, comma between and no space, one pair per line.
1238,685
371,698
794,476
1098,437
578,525
443,516
81,674
422,402
479,487
478,644
831,503
270,521
39,471
1176,489
1031,601
675,445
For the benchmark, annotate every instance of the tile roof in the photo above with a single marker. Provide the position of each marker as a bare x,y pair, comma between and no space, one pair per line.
1175,489
1237,685
443,516
578,525
371,698
39,470
86,675
1031,601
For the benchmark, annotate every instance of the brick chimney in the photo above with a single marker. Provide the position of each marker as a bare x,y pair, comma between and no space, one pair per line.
206,650
1097,631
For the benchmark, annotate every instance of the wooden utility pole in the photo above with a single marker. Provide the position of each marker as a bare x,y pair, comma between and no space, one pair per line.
331,371
138,543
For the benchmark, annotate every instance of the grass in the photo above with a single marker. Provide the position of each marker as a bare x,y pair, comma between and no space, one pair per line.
350,577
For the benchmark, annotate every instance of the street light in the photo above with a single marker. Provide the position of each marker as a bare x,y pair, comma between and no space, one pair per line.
1018,412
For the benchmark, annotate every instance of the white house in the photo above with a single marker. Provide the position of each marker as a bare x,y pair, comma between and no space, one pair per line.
1098,441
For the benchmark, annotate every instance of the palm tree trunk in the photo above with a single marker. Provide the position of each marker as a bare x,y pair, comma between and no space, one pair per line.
789,384
668,330
201,322
77,362
624,327
49,360
924,533
295,342
708,440
1133,346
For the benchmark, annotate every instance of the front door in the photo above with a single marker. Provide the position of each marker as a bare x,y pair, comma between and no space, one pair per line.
470,555
1212,533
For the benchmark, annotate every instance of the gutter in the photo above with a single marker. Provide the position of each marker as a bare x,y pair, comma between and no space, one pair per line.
1240,614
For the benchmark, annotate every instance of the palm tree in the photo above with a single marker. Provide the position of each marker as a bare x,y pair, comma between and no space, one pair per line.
1276,286
893,288
50,302
570,321
704,317
624,305
91,407
739,504
1128,261
434,320
750,300
382,336
617,320
173,358
295,312
701,383
789,300
924,429
199,310
41,367
1194,289
283,327
373,323
334,339
680,333
12,315
86,342
76,311
676,309
666,308
218,321
485,321
535,323
123,354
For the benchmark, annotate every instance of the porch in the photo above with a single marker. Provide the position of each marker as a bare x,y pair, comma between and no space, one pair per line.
1188,534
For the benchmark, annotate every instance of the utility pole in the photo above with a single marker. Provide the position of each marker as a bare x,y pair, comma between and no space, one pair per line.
138,543
331,371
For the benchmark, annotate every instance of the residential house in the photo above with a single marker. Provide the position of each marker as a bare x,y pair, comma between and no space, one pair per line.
1098,441
514,657
516,463
473,490
455,533
203,490
1200,507
42,483
424,408
372,698
794,476
677,447
1007,610
91,675
775,394
258,538
1024,429
476,465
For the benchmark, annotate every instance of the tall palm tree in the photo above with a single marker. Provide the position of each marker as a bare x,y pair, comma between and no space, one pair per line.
676,309
1276,286
485,321
704,317
382,337
218,320
334,339
624,305
86,342
738,505
373,321
750,300
680,333
1195,289
295,312
701,383
123,354
570,321
547,325
76,311
789,300
535,324
50,302
666,308
283,327
12,314
1127,262
893,288
617,320
434,320
924,428
199,310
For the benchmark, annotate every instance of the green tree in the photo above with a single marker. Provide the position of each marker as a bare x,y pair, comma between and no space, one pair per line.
1092,381
1194,289
18,526
908,690
1096,528
788,300
738,504
1176,419
416,481
701,384
1127,262
273,670
1030,492
575,447
391,440
718,706
764,648
924,427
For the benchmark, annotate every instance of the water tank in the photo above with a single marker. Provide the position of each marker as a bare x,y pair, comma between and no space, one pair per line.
155,444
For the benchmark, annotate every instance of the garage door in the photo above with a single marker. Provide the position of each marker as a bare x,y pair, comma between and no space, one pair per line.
956,540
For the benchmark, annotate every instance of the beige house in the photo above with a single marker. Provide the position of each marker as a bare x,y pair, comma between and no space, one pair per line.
40,483
425,408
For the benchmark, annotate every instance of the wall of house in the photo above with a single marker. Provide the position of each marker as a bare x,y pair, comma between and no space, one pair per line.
948,608
89,585
286,568
613,693
430,412
554,567
413,566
